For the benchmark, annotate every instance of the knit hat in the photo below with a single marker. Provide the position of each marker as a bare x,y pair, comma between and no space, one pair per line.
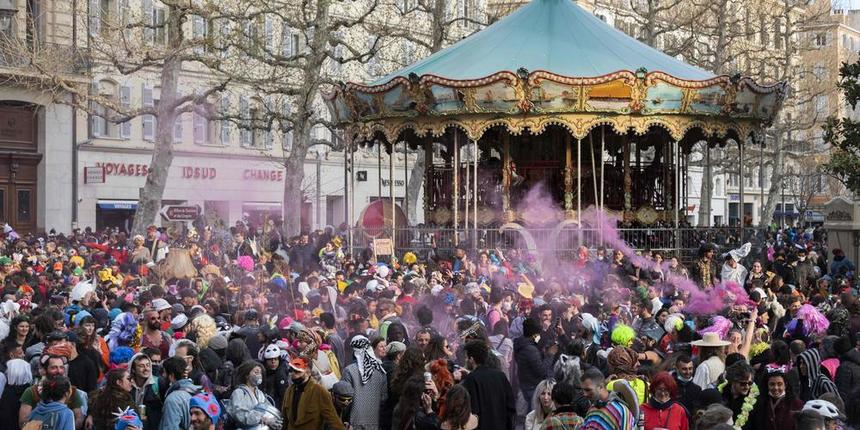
218,342
178,322
206,403
128,418
395,347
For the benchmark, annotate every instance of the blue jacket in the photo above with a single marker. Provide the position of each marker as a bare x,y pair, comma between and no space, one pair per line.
175,414
56,415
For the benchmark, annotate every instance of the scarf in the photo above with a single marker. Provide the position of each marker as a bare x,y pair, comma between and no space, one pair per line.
364,358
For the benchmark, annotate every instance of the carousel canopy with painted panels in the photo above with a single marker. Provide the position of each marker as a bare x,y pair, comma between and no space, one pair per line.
551,72
542,63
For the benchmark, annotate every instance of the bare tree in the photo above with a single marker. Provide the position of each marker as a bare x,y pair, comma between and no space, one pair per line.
444,22
234,49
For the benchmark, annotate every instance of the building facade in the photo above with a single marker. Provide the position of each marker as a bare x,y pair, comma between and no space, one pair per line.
63,168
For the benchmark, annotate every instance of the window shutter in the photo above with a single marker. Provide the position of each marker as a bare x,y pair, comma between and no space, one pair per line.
148,33
95,17
198,33
269,33
286,40
148,120
96,123
177,129
225,124
125,101
160,18
245,112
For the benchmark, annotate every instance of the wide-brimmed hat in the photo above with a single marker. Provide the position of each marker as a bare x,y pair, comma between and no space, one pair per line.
526,290
710,339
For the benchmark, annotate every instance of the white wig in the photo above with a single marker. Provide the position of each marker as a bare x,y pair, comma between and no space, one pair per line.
18,372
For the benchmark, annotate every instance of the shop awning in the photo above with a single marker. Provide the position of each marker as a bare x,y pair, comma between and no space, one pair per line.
117,204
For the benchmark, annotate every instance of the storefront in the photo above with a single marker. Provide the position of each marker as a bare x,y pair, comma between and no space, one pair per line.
224,188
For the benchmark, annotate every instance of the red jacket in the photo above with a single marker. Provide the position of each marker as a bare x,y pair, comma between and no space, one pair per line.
674,417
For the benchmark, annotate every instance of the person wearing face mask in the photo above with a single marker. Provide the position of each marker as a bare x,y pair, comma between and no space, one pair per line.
307,405
662,411
249,405
688,392
776,409
804,271
531,363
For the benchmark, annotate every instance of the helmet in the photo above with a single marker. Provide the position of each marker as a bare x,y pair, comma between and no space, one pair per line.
272,351
823,407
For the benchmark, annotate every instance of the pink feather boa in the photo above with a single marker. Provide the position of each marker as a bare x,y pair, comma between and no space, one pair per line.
813,320
719,325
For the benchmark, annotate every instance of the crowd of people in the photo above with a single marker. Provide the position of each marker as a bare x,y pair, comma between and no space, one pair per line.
242,328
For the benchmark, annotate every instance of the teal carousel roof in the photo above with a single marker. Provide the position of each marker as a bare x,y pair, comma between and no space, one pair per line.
556,36
552,62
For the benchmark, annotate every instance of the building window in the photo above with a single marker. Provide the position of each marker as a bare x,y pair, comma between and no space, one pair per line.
225,123
821,106
820,71
177,128
820,39
99,124
201,125
245,128
148,120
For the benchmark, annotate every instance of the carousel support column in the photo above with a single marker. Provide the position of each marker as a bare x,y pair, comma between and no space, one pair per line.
506,177
393,202
379,168
602,182
406,180
579,188
456,166
677,195
741,192
475,192
628,181
428,169
467,191
350,198
568,178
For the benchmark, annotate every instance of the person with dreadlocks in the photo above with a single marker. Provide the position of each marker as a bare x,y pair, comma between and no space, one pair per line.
369,383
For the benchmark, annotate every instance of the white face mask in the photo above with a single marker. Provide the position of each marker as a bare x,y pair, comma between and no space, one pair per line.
801,258
256,380
537,339
506,306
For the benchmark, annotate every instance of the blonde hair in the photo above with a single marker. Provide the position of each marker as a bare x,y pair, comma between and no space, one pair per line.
545,385
204,327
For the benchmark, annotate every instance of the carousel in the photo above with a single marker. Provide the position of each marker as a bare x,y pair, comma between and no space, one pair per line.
551,97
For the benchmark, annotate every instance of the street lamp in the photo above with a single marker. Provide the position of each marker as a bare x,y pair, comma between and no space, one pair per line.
8,9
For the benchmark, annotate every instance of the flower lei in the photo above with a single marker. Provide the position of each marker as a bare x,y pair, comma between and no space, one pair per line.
138,333
747,407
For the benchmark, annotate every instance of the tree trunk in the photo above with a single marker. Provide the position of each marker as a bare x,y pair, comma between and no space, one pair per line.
294,176
149,202
773,194
413,188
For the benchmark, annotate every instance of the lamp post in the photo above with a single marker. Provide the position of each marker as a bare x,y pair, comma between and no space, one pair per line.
8,9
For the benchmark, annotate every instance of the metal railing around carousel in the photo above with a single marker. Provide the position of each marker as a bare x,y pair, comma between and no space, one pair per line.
683,242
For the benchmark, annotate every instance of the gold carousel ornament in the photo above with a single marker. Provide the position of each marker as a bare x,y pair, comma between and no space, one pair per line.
552,95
